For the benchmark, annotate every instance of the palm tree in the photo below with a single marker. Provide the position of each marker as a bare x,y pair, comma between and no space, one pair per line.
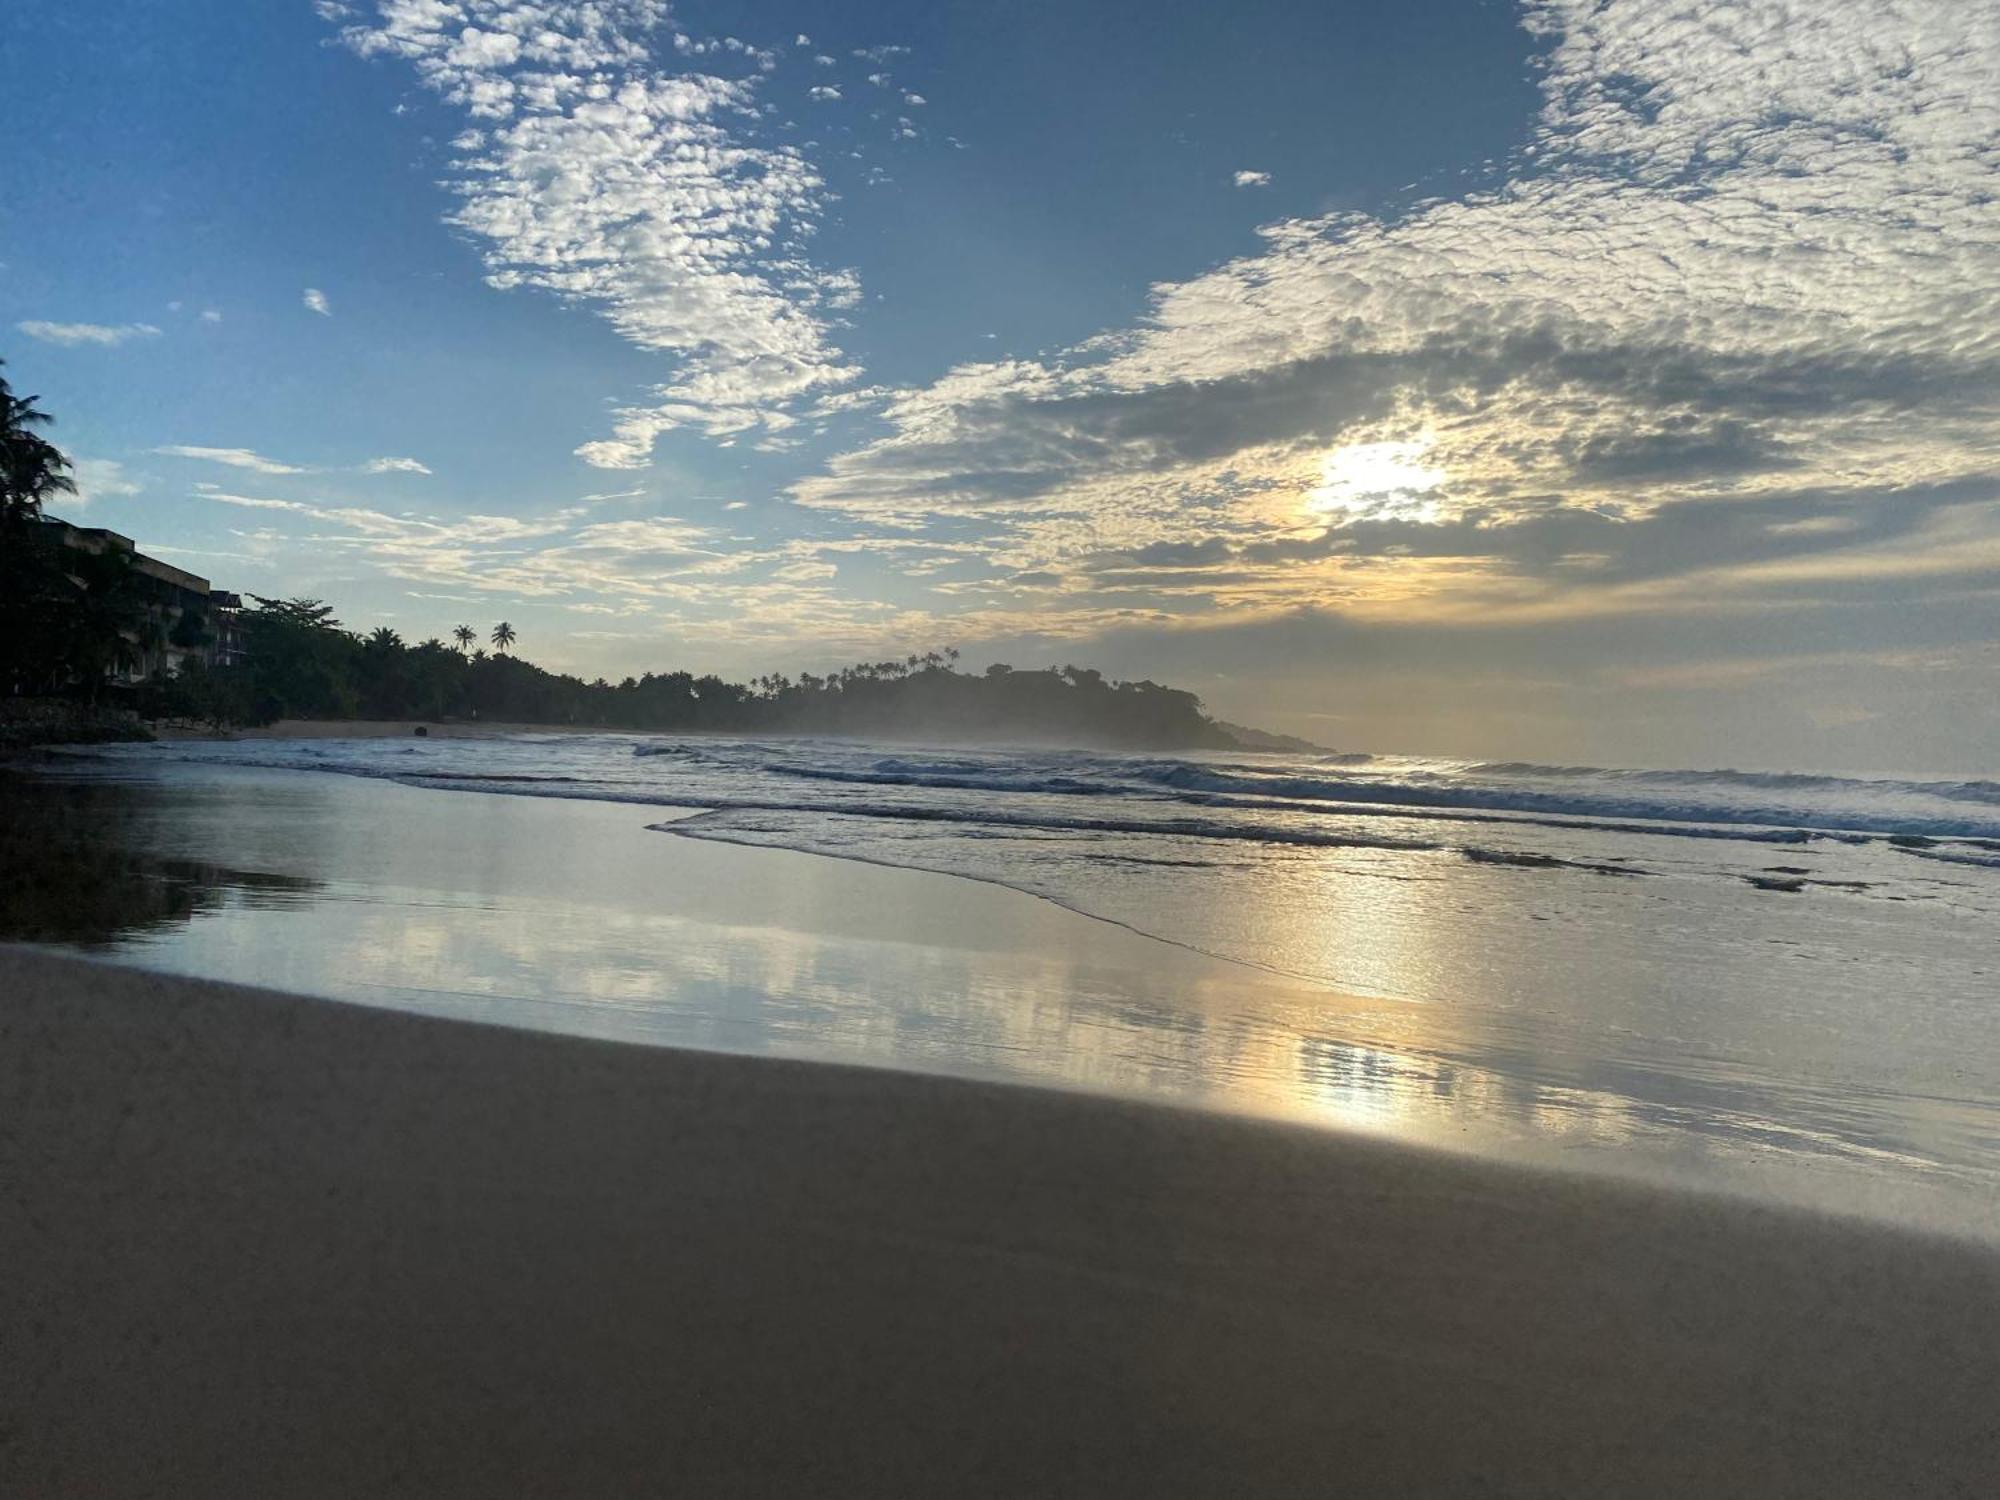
383,639
31,467
503,636
465,635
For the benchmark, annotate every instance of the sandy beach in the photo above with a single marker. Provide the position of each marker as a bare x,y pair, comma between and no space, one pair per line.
267,1245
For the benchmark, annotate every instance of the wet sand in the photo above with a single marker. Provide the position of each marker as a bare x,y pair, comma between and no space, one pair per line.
263,1245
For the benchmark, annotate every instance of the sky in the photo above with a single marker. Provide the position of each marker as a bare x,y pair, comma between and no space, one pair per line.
1579,381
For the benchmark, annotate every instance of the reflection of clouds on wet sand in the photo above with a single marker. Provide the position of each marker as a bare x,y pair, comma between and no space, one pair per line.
574,917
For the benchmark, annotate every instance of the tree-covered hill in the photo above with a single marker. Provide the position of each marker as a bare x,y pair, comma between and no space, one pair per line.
301,663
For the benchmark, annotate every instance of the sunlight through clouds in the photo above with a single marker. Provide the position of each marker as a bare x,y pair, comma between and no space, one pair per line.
1738,259
1378,481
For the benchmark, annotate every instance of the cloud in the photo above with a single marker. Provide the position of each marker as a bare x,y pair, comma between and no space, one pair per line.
315,301
1739,280
71,335
101,479
823,94
1252,179
211,315
235,458
643,194
393,466
253,502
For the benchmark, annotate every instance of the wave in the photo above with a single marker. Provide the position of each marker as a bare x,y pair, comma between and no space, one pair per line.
1262,795
1268,801
1584,802
1986,793
1219,787
947,781
1188,828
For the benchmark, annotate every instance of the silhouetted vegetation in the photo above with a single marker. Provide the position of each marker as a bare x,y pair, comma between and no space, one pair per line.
32,470
302,664
72,619
69,618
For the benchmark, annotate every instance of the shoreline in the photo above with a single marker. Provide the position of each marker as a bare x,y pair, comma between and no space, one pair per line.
573,916
273,1244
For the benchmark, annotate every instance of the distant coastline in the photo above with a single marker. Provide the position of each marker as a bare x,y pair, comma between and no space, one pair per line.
473,729
298,662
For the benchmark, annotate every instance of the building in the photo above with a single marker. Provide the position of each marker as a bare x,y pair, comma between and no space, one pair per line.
229,648
186,620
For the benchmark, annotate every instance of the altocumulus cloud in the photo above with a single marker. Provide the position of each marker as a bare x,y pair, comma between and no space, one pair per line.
590,172
1745,257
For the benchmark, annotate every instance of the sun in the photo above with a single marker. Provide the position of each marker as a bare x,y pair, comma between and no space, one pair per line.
1378,482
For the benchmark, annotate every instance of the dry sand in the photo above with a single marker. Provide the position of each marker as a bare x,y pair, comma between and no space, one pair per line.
258,1245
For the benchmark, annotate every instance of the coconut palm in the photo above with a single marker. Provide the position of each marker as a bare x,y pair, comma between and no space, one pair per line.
503,636
32,470
465,635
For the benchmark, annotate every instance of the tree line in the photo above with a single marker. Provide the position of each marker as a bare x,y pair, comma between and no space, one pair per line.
70,620
301,663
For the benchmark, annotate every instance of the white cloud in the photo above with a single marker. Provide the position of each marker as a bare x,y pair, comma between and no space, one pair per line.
235,458
1747,257
100,479
393,466
823,94
1252,179
210,315
315,301
252,502
70,335
636,192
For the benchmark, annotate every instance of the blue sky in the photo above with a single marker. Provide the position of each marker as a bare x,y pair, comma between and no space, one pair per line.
1556,379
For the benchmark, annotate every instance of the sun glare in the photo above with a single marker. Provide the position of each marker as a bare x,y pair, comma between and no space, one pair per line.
1377,482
